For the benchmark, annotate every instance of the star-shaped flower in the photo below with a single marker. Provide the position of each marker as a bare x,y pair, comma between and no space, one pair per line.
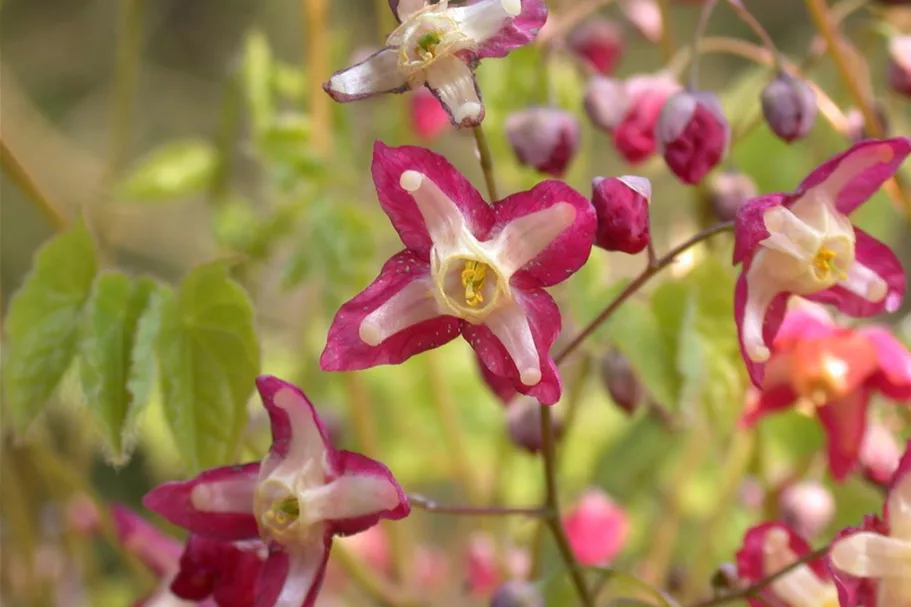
469,268
804,244
302,494
439,46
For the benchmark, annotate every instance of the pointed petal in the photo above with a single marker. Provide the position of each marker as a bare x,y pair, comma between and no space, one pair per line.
390,163
398,326
894,376
872,555
402,9
898,504
542,236
876,283
157,551
853,590
452,82
518,340
758,328
217,504
852,177
503,387
293,579
845,422
377,74
500,26
749,224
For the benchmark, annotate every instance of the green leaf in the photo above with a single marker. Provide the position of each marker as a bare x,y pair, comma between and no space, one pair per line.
208,361
177,168
116,357
257,79
42,325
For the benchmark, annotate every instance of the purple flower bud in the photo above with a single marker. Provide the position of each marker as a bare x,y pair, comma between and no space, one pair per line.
728,190
523,424
517,593
789,107
808,507
621,205
545,138
621,382
899,71
605,102
598,42
693,134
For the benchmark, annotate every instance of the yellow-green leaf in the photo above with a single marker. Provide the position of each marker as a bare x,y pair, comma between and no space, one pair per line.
177,168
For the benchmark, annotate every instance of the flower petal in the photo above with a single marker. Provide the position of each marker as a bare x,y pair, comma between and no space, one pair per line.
293,579
853,176
402,9
398,327
377,74
542,236
504,344
500,26
157,551
453,83
749,224
217,504
894,376
390,163
853,590
757,329
227,572
503,387
871,555
898,504
845,422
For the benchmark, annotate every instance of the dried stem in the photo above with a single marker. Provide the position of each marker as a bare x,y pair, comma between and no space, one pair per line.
424,503
38,197
486,162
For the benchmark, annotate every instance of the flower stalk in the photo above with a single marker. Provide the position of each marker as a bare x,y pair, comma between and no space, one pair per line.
38,197
486,163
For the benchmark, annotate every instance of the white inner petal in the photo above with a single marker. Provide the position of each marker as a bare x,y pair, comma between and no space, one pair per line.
510,325
871,555
453,82
442,217
412,305
378,74
485,19
235,495
900,509
524,238
407,8
304,563
865,282
761,290
801,587
348,496
304,463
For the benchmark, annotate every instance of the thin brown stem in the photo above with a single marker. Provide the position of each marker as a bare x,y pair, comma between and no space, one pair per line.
425,503
38,197
666,44
486,163
701,26
757,28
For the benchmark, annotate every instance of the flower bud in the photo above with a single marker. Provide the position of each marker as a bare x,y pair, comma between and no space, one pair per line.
621,205
523,424
728,190
634,134
517,593
645,15
693,134
545,138
598,42
605,102
808,507
899,70
428,118
621,382
789,107
879,454
596,527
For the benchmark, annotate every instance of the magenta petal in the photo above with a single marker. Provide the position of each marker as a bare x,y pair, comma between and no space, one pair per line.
772,399
157,551
388,165
503,387
773,319
346,351
568,251
226,494
749,225
545,322
355,464
858,171
894,375
283,431
879,258
518,31
845,422
801,323
293,579
227,572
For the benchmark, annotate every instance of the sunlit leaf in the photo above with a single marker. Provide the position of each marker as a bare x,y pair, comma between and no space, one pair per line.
177,168
42,324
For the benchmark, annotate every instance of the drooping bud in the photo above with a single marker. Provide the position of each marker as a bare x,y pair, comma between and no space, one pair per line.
693,134
598,42
428,118
605,102
899,71
880,454
621,205
789,107
728,190
596,527
621,382
545,138
634,135
645,15
523,424
517,593
808,507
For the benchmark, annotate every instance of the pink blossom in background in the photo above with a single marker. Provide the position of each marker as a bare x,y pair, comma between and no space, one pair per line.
597,528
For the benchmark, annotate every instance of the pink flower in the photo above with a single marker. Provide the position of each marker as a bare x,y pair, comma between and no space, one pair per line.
804,244
634,134
599,43
621,206
428,118
645,15
468,268
693,134
879,454
439,46
301,495
872,564
597,528
605,102
832,371
807,506
771,547
484,573
899,70
544,138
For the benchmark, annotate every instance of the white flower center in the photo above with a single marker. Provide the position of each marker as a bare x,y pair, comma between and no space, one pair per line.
801,587
468,285
428,35
284,507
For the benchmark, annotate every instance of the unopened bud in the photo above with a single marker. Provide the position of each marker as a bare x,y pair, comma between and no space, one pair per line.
545,138
789,107
879,454
808,507
428,118
598,42
523,424
597,528
621,206
634,134
517,593
621,382
693,134
605,102
728,190
899,71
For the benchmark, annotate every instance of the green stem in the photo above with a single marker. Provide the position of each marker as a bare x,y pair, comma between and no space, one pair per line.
128,58
38,197
486,162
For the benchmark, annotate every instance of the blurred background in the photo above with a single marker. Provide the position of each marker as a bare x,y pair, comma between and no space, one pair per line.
186,131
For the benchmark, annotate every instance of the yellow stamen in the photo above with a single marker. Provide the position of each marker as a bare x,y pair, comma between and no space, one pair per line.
473,277
283,512
824,266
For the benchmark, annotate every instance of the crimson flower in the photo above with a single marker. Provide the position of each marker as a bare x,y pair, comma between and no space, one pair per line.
439,46
302,494
597,528
621,206
693,134
804,244
645,95
872,564
468,268
832,371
